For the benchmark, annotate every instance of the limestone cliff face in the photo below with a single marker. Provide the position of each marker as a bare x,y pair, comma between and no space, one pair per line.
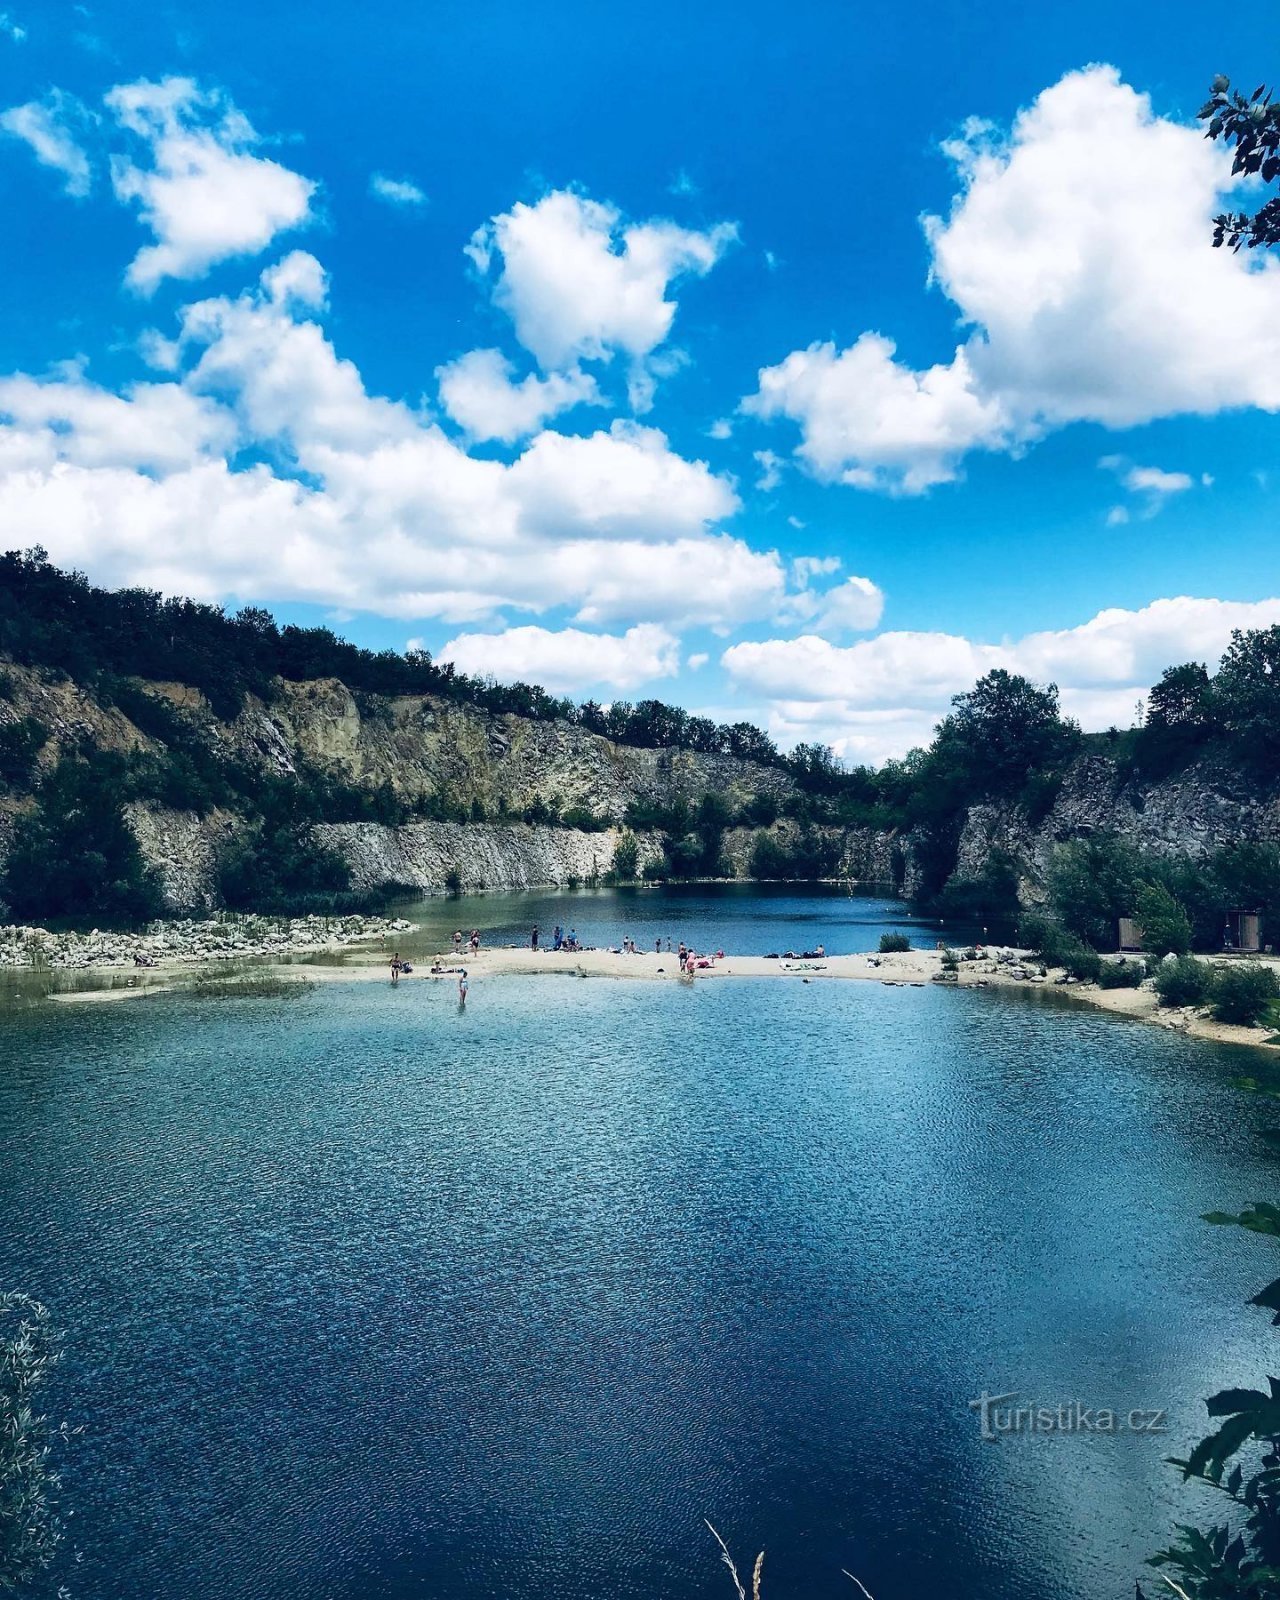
425,855
423,744
183,848
1191,813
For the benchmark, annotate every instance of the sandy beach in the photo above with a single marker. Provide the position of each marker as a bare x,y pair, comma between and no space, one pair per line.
914,968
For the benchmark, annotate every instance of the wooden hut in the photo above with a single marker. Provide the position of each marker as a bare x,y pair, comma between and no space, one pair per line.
1243,930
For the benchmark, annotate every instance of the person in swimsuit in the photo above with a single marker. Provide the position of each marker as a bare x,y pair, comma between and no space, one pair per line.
396,964
533,938
462,990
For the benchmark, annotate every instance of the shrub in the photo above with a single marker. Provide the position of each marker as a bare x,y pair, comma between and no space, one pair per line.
1120,974
1056,947
626,857
1184,981
1243,993
1166,928
893,943
657,870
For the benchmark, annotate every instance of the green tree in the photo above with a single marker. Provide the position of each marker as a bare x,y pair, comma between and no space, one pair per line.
1247,696
1004,730
1166,929
626,856
1243,994
1092,883
74,857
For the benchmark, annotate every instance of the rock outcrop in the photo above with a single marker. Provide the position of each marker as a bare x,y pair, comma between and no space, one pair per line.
435,856
1191,813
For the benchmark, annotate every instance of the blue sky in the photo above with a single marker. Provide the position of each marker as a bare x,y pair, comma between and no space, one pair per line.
616,349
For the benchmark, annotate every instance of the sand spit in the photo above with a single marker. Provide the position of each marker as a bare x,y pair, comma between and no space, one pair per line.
911,969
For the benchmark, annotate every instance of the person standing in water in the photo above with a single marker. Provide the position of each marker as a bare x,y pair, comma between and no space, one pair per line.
462,990
533,938
457,942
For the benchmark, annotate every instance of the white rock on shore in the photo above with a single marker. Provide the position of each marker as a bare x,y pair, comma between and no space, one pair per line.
224,938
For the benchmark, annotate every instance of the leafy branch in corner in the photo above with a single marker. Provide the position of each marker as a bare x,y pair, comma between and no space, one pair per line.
1252,125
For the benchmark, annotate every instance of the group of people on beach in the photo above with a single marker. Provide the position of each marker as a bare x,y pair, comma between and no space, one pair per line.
562,939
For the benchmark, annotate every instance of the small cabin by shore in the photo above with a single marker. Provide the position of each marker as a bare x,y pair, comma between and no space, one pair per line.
1243,930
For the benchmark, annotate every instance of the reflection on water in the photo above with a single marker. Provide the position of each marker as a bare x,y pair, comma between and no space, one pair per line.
365,1296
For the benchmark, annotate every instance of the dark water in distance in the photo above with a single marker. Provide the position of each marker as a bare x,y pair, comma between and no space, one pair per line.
745,919
367,1297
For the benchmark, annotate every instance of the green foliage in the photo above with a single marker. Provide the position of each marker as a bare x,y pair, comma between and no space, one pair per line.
1120,974
1252,125
811,855
583,817
894,943
278,866
1092,883
1240,1459
1246,694
1166,928
1183,981
657,870
992,896
1243,992
1003,733
74,857
21,741
1057,947
626,857
30,1528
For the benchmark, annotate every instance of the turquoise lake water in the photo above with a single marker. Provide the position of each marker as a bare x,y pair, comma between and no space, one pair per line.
365,1296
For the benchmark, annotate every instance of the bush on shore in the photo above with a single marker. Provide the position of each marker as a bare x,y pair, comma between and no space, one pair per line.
1243,993
894,943
1184,982
1120,974
1057,947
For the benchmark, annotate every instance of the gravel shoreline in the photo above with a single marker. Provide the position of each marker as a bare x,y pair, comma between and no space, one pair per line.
223,938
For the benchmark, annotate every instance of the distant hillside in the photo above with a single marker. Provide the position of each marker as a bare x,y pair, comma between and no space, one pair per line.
158,754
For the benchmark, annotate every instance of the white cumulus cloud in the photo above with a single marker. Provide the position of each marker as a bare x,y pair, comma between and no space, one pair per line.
582,284
568,660
878,696
200,188
265,470
480,392
1077,253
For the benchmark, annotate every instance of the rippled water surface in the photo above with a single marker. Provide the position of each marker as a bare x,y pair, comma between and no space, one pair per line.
367,1297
